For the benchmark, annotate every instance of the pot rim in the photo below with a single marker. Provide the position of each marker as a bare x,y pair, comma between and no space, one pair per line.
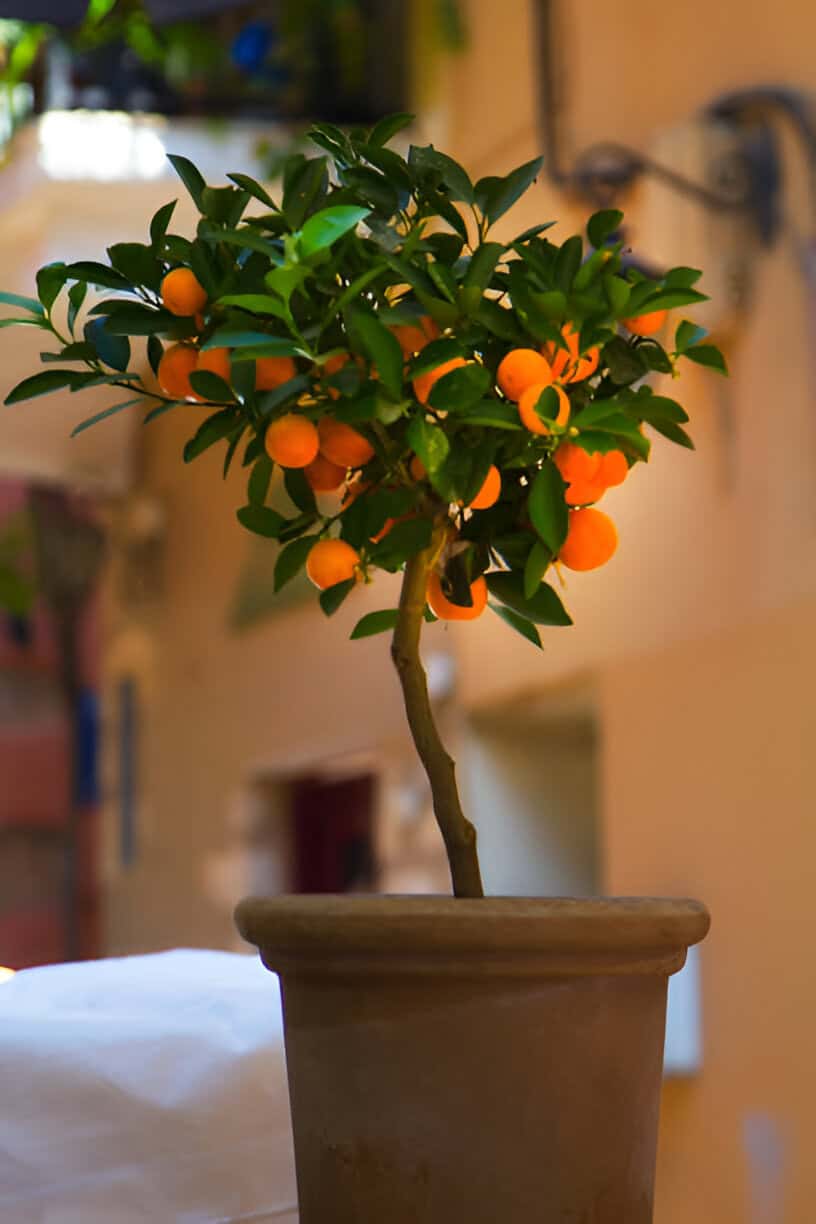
516,936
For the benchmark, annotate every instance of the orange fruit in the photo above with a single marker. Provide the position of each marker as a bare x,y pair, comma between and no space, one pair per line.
568,364
613,469
522,368
442,607
527,408
182,293
343,444
176,366
413,337
576,464
330,562
292,441
591,540
323,475
217,361
646,324
417,468
490,491
424,383
272,372
582,493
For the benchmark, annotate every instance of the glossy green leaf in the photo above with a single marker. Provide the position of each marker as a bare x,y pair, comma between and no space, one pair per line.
291,560
325,227
211,386
41,384
190,176
707,355
382,349
544,608
496,195
602,224
460,388
386,128
113,351
216,427
334,596
259,480
25,303
159,223
547,507
107,412
491,412
97,274
375,622
50,281
261,520
520,623
137,263
429,442
536,565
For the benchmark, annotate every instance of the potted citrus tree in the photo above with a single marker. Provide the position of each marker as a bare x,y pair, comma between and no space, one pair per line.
449,406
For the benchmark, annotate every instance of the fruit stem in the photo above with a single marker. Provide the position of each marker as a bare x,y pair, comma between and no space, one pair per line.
458,833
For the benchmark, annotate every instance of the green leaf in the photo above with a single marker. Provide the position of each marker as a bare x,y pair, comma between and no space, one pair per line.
211,386
707,355
224,205
159,224
602,224
291,560
274,346
498,320
519,623
656,407
567,262
41,384
429,442
248,238
261,520
460,388
548,509
668,299
101,416
298,490
333,596
687,334
255,303
497,195
305,181
190,176
681,278
544,608
616,290
258,484
97,274
425,158
138,320
375,622
382,349
491,412
435,354
254,189
50,281
28,321
655,356
623,361
76,297
536,565
325,227
26,303
155,352
137,263
271,399
387,128
404,540
216,427
673,432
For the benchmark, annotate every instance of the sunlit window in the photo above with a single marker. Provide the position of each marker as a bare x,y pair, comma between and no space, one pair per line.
103,145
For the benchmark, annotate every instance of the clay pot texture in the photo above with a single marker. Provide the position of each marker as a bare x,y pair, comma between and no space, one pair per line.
491,1061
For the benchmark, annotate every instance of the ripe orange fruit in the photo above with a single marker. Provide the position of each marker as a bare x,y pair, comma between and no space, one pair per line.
292,441
343,444
646,324
272,372
424,383
576,464
330,562
217,361
591,540
442,607
522,368
413,337
182,293
582,493
175,368
569,364
613,469
417,468
527,408
490,491
323,475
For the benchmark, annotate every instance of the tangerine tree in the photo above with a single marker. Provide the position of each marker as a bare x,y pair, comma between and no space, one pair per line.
437,402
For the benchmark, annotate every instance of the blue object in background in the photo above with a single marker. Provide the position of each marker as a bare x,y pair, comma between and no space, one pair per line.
87,748
128,719
251,45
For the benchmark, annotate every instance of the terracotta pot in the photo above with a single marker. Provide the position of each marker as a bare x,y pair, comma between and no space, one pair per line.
473,1062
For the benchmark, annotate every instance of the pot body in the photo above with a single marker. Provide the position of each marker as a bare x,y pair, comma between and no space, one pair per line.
473,1062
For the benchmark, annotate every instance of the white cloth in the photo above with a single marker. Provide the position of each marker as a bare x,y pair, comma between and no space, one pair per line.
145,1090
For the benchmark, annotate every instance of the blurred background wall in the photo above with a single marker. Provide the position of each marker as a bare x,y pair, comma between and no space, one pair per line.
661,746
